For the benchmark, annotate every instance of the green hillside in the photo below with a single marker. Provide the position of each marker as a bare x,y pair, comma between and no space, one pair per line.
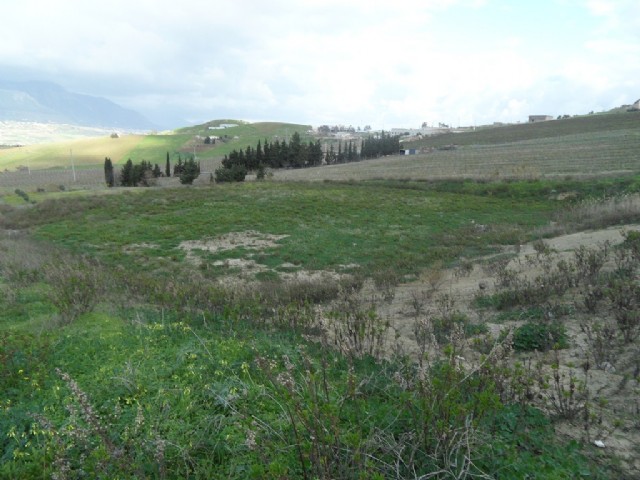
153,148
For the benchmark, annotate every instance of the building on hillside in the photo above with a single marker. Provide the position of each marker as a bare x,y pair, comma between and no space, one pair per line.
539,118
408,151
409,132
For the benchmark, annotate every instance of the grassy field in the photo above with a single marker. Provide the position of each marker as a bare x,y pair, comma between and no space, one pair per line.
174,370
326,225
153,148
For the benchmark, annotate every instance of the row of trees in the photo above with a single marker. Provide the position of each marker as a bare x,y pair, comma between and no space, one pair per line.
297,154
143,173
275,154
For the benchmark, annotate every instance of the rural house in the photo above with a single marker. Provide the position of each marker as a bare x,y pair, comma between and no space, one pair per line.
539,118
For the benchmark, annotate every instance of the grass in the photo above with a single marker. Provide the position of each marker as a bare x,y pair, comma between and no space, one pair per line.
327,225
84,152
143,388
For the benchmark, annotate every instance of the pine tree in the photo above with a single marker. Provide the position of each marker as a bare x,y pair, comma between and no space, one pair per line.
167,168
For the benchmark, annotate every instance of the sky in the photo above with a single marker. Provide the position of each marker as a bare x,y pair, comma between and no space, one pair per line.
354,62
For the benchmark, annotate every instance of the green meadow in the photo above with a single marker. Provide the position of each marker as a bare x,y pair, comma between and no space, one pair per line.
175,371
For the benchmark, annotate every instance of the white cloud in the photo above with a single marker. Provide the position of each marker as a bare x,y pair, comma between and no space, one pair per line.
342,61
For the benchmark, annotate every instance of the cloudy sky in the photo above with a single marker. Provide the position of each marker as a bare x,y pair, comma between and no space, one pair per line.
360,62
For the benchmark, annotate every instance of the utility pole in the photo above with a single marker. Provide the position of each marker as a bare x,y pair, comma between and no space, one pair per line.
73,167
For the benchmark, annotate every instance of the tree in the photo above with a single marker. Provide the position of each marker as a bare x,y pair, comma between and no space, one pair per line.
190,171
167,168
235,173
108,172
126,175
315,153
177,168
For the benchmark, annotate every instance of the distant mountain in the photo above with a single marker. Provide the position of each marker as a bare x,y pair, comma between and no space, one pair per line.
49,102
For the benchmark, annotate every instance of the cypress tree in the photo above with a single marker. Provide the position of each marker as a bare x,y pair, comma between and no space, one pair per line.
126,176
108,172
167,168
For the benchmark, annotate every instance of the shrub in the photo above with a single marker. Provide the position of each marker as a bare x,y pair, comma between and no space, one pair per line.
625,300
235,173
75,286
21,193
539,336
190,171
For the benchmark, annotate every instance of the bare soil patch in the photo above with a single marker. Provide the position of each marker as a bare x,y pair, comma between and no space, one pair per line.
614,389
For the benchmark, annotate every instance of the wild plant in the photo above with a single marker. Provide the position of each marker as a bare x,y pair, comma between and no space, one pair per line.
418,301
433,276
601,338
76,285
86,444
632,243
592,296
357,328
624,295
589,262
566,395
22,261
297,317
464,268
312,408
425,338
386,281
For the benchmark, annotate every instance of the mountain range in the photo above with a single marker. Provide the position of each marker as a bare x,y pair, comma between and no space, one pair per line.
48,102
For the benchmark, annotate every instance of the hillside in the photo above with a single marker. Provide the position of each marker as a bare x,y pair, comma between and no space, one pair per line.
588,124
590,145
152,147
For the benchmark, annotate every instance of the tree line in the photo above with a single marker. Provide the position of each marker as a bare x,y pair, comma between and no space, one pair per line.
298,154
143,173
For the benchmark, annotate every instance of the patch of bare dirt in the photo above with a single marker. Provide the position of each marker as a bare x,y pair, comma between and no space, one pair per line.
250,240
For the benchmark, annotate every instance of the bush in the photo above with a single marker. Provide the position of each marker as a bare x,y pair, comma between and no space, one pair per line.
235,173
539,336
190,171
22,194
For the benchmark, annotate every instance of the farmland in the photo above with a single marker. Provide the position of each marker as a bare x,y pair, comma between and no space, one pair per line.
152,147
402,321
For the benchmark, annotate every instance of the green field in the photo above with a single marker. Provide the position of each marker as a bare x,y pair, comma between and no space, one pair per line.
153,148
